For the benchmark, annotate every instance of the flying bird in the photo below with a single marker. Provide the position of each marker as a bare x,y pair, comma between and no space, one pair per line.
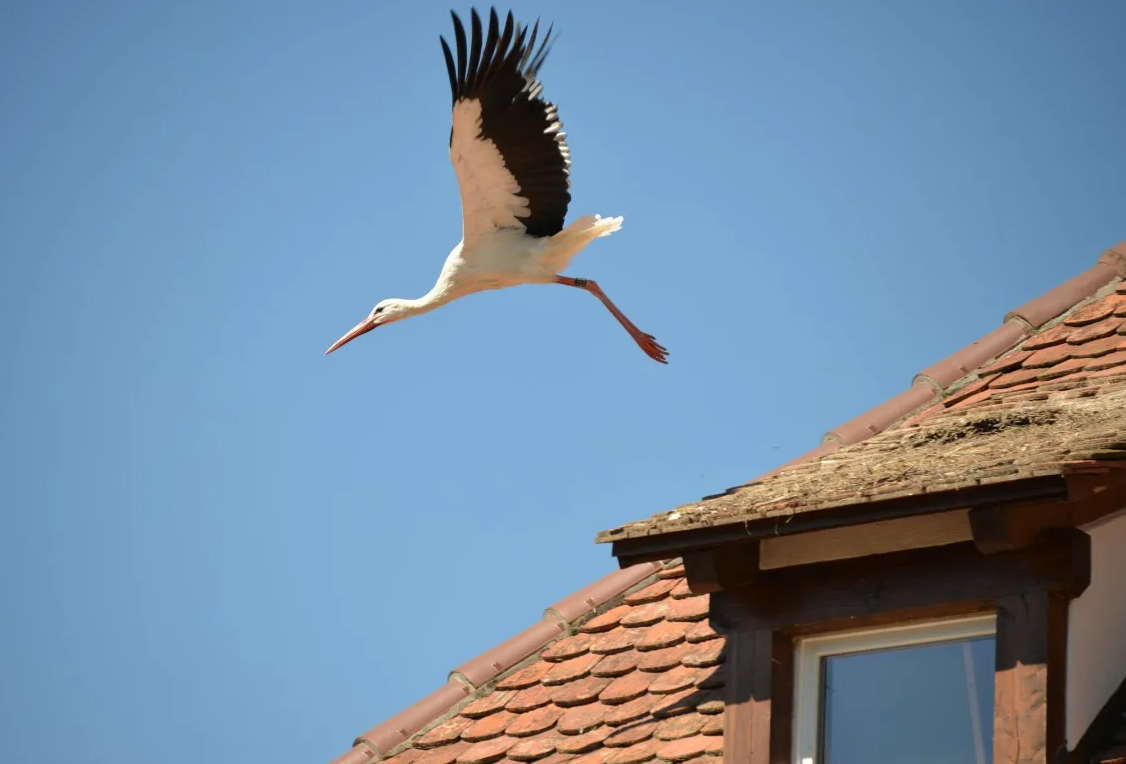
510,155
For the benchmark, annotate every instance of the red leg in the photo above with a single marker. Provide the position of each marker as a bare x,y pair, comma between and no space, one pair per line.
647,342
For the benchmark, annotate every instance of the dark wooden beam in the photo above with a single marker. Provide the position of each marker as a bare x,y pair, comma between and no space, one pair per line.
725,567
759,698
1030,680
954,578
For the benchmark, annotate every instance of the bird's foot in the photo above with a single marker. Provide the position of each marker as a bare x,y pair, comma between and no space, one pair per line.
648,343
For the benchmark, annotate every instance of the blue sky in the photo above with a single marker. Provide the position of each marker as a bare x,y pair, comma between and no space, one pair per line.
218,545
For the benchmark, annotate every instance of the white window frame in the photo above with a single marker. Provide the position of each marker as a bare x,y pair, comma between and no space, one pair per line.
810,652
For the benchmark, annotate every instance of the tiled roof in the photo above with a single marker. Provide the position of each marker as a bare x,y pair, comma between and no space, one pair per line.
1037,400
639,681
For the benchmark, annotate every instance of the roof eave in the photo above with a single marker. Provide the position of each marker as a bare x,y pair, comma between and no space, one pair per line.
633,550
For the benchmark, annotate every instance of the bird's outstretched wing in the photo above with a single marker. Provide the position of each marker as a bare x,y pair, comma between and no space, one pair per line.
507,144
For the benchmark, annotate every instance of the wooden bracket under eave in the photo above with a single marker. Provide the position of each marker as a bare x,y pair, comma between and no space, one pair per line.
723,567
1090,497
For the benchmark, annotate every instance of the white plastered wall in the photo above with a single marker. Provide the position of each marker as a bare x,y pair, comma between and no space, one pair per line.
1096,642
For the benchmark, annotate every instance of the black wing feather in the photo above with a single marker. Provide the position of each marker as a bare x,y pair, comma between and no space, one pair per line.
514,116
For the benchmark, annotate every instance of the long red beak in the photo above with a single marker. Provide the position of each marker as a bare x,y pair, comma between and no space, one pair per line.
363,327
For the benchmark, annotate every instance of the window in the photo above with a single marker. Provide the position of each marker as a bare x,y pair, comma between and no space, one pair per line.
921,693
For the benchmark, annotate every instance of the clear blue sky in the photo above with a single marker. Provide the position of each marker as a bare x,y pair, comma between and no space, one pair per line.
218,545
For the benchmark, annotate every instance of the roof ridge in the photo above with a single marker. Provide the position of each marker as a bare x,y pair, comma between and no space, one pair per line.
933,383
477,676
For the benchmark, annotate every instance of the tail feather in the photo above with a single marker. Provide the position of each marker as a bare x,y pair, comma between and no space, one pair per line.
564,245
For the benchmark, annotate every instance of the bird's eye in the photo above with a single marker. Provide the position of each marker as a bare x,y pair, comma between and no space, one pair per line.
378,311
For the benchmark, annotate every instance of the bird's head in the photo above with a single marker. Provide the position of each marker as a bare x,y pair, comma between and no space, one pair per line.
384,313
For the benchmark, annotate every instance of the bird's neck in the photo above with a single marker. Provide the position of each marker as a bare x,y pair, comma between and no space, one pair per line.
439,295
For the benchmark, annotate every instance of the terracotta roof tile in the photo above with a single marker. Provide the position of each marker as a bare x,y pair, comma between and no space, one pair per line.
655,591
617,664
631,734
689,748
489,704
486,751
489,727
681,727
664,659
688,609
646,615
587,741
712,726
534,749
607,620
634,754
570,669
663,634
567,648
581,719
626,688
443,734
638,708
580,692
701,632
535,722
675,680
525,677
529,699
447,754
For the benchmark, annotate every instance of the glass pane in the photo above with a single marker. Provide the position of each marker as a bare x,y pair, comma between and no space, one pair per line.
928,704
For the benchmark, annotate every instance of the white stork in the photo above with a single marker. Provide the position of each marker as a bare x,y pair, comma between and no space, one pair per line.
513,170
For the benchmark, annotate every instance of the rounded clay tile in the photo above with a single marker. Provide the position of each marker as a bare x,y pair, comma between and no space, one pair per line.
1047,357
1092,332
588,741
626,688
1089,314
533,749
568,647
678,703
530,699
1108,364
679,727
487,751
708,654
606,621
577,693
535,722
675,679
713,725
635,754
674,572
617,664
403,757
581,719
594,757
489,704
525,677
712,678
1097,348
631,734
557,758
688,609
687,748
701,632
645,615
447,754
488,727
652,593
1053,336
638,708
663,634
570,670
665,658
615,641
1120,307
681,590
443,734
711,703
